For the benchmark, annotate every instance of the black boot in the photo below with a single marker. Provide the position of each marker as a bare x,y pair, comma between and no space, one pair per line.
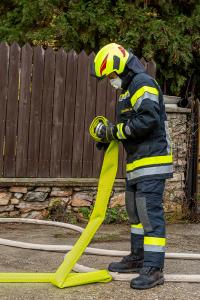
131,263
148,278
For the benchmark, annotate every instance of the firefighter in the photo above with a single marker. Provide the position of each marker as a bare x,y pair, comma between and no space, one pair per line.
143,130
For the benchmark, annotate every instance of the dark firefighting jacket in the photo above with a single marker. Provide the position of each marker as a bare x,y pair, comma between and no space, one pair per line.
147,144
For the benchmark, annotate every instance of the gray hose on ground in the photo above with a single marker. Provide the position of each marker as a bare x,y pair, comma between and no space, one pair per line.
42,222
64,248
89,250
80,268
128,277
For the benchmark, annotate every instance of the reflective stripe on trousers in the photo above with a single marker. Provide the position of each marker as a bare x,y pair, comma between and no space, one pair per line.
144,202
154,244
137,229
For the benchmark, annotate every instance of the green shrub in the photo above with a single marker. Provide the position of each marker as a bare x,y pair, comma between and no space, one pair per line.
57,211
167,31
116,215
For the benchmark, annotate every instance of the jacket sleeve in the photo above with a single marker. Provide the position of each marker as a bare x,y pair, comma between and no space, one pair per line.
146,117
145,121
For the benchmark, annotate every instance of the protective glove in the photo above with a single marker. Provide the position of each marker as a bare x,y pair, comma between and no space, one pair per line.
102,146
106,132
111,132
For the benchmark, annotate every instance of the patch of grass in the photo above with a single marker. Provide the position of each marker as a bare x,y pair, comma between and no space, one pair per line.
57,211
175,217
106,238
86,212
116,215
113,215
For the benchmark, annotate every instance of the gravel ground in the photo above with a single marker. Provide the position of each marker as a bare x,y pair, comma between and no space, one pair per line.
181,238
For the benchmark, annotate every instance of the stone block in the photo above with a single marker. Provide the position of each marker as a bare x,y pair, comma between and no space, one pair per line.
75,209
35,215
81,199
35,196
179,162
25,207
30,188
14,214
172,207
14,201
5,198
117,200
174,185
18,195
65,200
3,189
61,193
56,189
43,189
18,189
175,196
177,177
6,208
4,215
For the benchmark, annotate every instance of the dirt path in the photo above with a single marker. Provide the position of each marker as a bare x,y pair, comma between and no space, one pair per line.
182,238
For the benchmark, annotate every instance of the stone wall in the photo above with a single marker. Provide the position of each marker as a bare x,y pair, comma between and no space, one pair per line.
179,127
37,198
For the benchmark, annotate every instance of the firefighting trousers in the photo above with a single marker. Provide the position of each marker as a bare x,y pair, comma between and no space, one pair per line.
144,205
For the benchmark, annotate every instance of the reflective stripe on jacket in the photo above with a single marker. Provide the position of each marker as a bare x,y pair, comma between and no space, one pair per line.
141,107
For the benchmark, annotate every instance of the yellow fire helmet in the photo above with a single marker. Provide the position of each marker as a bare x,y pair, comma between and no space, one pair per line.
110,58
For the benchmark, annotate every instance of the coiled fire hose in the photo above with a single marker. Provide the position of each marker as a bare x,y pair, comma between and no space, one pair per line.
62,277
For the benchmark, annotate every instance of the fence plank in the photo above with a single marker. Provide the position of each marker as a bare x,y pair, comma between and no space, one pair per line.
112,98
12,111
88,149
79,115
121,152
100,111
4,59
68,124
24,111
46,124
35,115
151,68
57,129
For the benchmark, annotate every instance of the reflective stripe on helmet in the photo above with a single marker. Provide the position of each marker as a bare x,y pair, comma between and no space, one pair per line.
103,65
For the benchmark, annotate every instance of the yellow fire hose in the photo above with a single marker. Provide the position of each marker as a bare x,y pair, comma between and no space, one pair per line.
62,277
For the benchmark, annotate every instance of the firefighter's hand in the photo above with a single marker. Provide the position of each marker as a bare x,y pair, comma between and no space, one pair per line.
102,146
106,133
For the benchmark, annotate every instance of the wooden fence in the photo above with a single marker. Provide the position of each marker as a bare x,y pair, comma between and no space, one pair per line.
47,101
198,151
